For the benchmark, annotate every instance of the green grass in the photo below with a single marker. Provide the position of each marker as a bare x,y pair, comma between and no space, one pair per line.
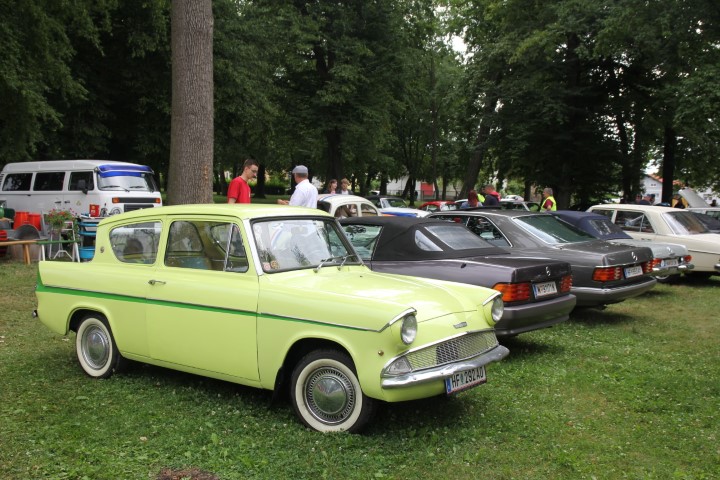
629,392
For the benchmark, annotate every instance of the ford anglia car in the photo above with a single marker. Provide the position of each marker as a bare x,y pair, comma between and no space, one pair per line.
272,297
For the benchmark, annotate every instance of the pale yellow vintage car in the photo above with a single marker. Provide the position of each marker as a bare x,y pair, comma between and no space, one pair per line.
271,297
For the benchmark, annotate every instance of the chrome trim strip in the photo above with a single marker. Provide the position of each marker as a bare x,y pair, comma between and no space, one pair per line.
491,298
398,318
440,373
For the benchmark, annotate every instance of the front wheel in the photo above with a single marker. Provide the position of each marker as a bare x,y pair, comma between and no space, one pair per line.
326,393
95,347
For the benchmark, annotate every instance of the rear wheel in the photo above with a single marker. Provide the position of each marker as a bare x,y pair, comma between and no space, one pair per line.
326,393
667,279
95,347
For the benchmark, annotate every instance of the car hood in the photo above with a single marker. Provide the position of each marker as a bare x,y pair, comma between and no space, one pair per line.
597,253
358,297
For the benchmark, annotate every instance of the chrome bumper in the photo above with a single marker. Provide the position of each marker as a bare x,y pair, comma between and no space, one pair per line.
440,373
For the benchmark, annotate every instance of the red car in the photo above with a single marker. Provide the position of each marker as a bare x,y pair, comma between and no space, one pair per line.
439,206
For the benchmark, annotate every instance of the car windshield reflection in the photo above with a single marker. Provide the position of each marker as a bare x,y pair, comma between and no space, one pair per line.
684,223
551,230
293,244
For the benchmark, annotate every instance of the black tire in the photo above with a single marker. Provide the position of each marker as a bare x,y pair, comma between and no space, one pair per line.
668,279
95,347
326,393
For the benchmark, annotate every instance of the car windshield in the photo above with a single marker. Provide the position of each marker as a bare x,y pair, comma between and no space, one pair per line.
296,243
551,230
448,206
394,202
142,182
684,223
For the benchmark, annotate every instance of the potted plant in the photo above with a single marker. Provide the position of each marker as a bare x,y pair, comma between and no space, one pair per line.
56,219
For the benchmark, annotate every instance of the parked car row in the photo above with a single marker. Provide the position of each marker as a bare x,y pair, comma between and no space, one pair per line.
343,315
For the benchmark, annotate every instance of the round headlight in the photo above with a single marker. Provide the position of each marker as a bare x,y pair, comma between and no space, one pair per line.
115,211
498,307
408,332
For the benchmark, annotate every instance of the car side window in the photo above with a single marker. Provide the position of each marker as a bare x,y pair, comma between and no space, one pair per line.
16,182
633,221
367,210
607,213
363,238
205,245
484,229
136,243
49,181
76,179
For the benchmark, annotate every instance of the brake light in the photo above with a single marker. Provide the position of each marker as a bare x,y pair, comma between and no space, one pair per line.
655,263
566,283
648,266
607,274
513,292
687,258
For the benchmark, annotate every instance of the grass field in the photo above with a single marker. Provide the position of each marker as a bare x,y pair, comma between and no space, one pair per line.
632,391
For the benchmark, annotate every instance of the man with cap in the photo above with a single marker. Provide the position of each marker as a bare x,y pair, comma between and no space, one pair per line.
305,194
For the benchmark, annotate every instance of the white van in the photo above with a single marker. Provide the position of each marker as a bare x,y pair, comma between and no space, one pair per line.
103,187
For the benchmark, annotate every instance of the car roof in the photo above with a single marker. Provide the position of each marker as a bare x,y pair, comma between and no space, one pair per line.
636,207
397,239
243,211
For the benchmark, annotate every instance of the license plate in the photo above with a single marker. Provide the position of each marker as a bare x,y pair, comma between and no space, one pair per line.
545,288
670,262
466,379
633,271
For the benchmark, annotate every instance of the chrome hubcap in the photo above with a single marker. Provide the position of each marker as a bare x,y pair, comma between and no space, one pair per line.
95,347
330,395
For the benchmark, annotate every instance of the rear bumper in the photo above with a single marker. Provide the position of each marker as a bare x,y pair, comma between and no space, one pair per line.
590,296
534,316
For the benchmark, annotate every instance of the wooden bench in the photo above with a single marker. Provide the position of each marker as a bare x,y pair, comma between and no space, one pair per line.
25,244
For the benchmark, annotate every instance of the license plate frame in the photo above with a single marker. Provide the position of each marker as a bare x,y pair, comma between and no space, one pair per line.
465,379
544,289
635,271
670,262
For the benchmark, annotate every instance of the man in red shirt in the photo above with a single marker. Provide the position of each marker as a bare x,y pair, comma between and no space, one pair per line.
239,190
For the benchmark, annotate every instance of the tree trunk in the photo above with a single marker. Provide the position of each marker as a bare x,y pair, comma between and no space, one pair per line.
668,164
191,130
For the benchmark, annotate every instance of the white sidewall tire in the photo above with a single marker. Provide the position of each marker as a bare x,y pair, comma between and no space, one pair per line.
339,364
95,347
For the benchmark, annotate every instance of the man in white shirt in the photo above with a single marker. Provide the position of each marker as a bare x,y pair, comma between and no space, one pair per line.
305,194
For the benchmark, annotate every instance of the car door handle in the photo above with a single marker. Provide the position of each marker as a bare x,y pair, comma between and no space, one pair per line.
156,282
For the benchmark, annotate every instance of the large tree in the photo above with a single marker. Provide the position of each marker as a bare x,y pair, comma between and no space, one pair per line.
191,142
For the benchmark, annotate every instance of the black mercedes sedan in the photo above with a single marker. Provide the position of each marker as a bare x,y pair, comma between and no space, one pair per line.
536,292
603,272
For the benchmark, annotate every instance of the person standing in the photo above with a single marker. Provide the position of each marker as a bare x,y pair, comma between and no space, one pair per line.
645,200
492,198
472,200
239,190
331,186
305,194
345,187
549,204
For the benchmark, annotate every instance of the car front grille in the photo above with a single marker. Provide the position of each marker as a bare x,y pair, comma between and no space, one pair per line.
453,350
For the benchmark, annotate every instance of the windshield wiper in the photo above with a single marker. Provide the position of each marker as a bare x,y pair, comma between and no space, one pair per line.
113,186
323,262
334,259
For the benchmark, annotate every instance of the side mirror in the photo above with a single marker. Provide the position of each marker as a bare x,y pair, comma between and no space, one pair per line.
82,185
